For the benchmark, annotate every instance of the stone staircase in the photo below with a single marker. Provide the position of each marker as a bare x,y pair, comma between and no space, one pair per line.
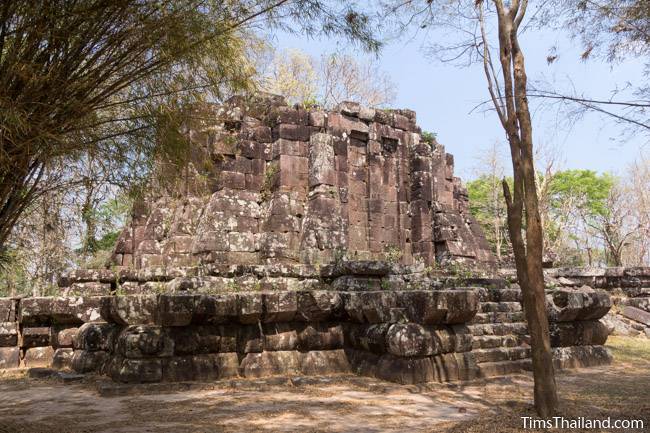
500,334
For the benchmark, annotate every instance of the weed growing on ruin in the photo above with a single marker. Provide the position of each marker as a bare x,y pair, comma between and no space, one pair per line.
429,137
267,186
385,284
392,254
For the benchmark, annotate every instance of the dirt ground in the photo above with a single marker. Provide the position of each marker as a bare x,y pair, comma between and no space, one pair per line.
338,404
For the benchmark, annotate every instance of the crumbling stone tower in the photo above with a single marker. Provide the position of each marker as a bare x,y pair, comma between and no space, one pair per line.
270,183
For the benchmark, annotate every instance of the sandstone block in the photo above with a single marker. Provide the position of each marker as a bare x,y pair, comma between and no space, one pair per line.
322,169
455,366
96,336
318,305
271,364
406,371
280,306
581,356
192,340
62,358
144,341
9,357
63,337
280,337
322,362
178,369
637,315
176,310
135,370
8,334
371,338
321,336
250,339
84,361
410,339
7,310
35,337
130,310
216,309
567,305
438,307
38,357
582,333
249,307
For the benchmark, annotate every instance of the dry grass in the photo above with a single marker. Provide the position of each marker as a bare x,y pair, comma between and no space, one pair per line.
619,391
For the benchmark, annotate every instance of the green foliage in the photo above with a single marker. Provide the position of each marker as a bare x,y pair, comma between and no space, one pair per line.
488,206
585,187
269,176
393,254
429,137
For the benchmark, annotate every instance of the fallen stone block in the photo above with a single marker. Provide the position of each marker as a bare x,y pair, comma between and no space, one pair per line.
144,341
637,315
62,358
581,356
582,333
84,361
8,334
9,357
323,362
38,357
568,305
321,336
640,303
96,336
271,364
130,310
35,337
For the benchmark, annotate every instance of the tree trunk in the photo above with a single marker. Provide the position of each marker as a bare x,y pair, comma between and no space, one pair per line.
524,203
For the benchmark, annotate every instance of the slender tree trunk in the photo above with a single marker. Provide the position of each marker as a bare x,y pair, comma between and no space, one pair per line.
514,114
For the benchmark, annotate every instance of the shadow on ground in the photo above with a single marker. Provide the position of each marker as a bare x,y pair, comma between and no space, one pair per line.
338,404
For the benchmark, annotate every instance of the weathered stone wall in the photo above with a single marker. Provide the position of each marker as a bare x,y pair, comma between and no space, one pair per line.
370,318
268,183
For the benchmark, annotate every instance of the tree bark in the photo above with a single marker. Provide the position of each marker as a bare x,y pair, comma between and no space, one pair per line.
515,118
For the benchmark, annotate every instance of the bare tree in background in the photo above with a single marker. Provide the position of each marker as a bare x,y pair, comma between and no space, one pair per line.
334,78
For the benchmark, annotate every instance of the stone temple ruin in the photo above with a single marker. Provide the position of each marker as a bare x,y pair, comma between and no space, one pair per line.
300,242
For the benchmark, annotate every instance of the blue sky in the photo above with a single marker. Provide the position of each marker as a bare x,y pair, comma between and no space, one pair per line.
443,96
